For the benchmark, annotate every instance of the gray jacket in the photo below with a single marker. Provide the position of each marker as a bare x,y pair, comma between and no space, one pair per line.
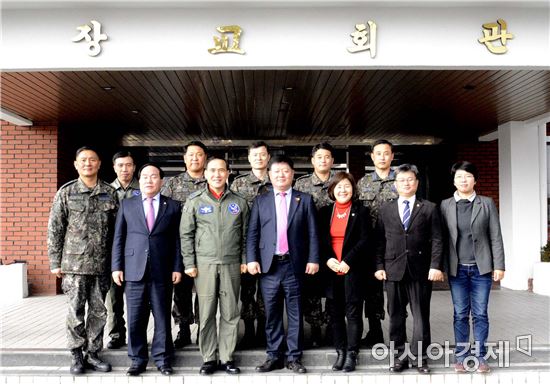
485,224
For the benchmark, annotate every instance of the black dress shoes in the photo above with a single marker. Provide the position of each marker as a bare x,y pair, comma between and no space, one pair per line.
93,361
116,343
230,368
270,365
399,366
208,367
136,370
165,369
296,366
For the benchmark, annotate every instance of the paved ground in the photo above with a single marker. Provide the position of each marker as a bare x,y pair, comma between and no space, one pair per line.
39,322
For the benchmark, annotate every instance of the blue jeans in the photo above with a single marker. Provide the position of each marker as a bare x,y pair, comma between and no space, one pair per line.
470,293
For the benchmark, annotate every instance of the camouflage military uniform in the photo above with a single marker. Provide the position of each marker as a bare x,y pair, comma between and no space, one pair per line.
249,186
315,187
313,309
179,188
115,297
374,192
80,235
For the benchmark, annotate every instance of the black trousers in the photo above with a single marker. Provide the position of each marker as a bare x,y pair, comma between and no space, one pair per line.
345,337
417,293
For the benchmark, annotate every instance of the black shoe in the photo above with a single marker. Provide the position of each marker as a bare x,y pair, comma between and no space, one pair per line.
229,367
116,343
340,358
399,366
94,362
77,362
183,338
351,362
316,339
165,369
296,366
208,367
423,367
270,365
136,369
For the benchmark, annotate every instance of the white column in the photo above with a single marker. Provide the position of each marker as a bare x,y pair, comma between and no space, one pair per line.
520,199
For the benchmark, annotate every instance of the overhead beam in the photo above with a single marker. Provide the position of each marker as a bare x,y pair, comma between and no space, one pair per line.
14,118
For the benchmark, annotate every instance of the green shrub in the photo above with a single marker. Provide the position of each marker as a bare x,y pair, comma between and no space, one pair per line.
545,253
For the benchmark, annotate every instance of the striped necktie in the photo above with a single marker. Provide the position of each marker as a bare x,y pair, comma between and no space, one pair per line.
406,215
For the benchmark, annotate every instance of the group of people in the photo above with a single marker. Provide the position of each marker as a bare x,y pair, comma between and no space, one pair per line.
272,246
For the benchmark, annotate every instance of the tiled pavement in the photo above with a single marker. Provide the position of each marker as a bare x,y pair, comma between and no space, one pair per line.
35,327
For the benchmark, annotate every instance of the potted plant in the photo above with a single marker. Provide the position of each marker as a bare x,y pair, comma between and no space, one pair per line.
541,272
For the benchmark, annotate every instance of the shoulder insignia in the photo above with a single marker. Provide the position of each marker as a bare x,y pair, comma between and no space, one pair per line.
304,176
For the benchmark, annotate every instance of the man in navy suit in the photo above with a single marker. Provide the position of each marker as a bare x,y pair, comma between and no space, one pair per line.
146,255
282,245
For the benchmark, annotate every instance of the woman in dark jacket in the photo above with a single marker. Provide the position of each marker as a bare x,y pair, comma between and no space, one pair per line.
345,234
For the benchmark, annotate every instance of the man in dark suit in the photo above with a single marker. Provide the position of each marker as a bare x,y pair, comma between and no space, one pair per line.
282,244
409,257
146,255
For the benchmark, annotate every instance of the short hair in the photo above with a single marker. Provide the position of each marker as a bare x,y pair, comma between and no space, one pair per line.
338,177
324,145
86,148
121,154
210,159
194,143
258,144
161,172
281,159
464,166
379,142
406,168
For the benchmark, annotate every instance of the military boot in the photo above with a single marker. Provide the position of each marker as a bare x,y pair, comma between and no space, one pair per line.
184,337
94,362
77,361
248,339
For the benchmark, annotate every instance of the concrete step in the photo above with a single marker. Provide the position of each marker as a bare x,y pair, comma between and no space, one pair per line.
320,359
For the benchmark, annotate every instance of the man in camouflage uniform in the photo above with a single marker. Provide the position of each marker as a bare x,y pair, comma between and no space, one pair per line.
126,186
80,235
179,188
316,184
375,189
250,185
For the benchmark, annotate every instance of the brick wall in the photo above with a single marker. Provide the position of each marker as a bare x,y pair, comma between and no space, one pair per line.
485,157
28,182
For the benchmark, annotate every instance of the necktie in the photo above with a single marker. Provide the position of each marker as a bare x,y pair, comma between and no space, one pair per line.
406,215
150,214
282,222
